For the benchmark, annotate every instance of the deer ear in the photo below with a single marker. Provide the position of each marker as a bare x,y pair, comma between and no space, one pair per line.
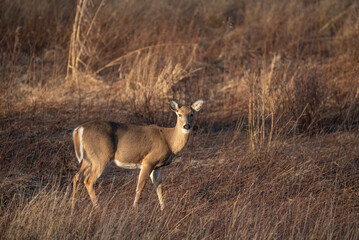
173,105
197,105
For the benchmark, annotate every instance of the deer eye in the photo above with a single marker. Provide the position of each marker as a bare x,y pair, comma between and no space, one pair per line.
180,115
191,115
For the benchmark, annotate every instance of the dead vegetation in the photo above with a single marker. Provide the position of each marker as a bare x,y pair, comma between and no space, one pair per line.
276,152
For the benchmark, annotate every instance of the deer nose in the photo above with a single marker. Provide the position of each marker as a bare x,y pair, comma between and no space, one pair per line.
187,126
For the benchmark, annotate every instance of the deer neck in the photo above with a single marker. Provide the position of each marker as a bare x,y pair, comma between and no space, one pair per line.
176,138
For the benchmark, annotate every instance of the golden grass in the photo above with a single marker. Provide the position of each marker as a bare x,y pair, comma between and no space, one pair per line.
276,152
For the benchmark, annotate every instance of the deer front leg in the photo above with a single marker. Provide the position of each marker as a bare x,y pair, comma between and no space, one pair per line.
144,173
157,183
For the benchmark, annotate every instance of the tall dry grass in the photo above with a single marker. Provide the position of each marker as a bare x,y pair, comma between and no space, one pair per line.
276,151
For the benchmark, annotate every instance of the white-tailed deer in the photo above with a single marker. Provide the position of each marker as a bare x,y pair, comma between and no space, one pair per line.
130,146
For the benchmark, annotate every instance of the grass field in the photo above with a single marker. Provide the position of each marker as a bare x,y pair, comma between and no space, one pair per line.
275,152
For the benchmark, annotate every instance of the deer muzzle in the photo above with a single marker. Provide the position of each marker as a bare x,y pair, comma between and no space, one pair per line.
187,126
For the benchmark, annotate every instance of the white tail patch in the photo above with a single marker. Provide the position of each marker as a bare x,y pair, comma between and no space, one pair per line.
80,155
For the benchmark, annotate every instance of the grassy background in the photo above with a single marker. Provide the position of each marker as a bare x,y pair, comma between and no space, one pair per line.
275,153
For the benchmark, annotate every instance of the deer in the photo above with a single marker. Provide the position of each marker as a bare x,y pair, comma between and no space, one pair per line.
144,147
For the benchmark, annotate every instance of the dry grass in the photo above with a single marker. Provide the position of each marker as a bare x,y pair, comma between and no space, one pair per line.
276,152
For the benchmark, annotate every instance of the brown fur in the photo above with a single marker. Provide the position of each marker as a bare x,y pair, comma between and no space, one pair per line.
150,147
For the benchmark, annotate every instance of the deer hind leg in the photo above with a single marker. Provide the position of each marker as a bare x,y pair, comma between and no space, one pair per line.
91,178
157,183
85,168
144,174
